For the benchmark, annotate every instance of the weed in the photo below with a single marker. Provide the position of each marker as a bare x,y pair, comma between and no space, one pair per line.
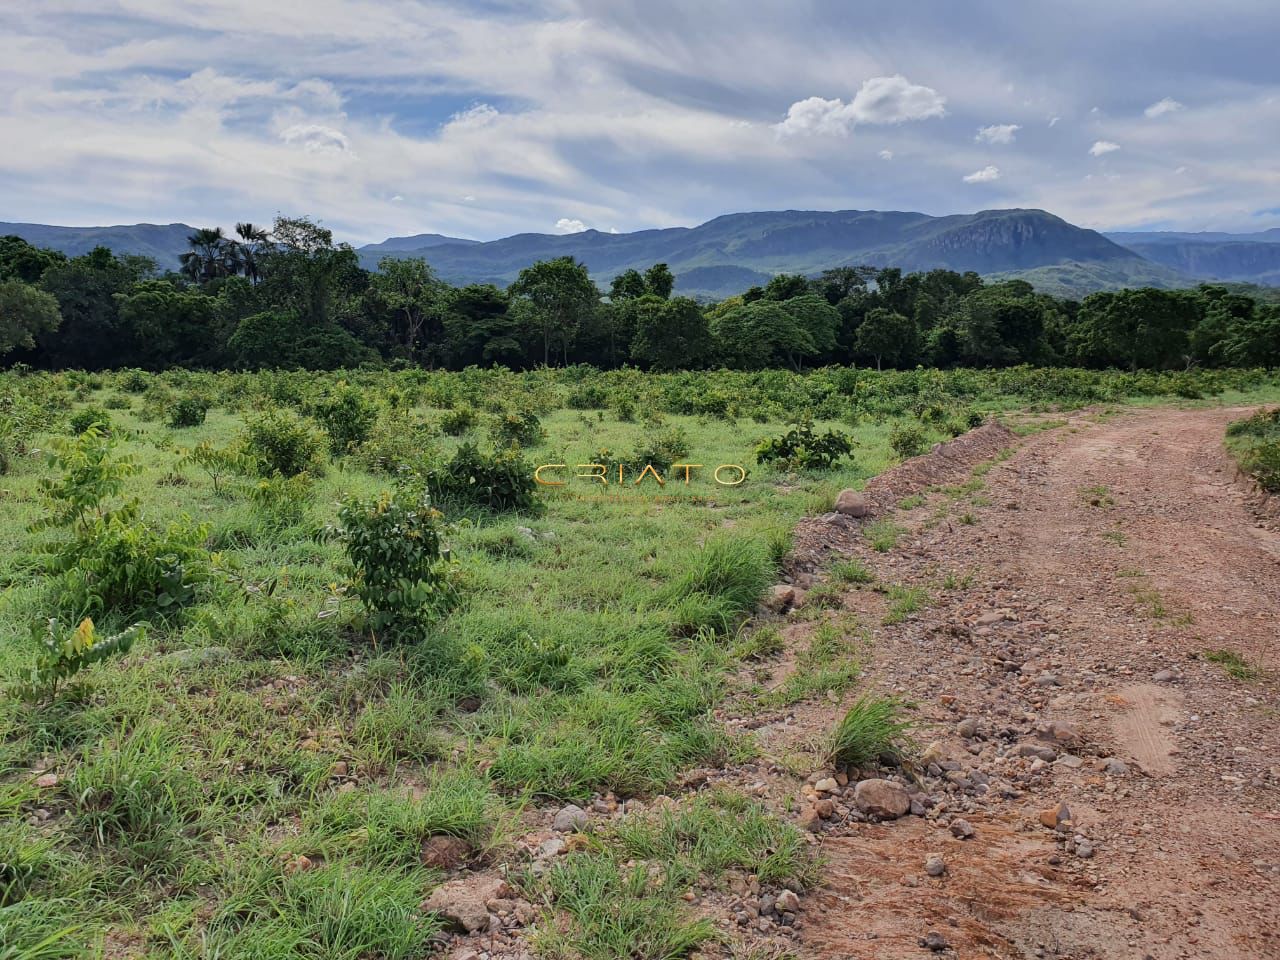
871,731
1236,666
884,535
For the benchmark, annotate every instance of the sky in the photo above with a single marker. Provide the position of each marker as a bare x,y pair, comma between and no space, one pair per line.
483,119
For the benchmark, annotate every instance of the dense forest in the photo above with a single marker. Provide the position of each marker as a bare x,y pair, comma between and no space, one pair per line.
292,297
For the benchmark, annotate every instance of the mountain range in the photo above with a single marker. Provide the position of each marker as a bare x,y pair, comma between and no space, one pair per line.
732,252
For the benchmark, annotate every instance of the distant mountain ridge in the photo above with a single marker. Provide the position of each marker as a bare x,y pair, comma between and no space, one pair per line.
724,255
732,252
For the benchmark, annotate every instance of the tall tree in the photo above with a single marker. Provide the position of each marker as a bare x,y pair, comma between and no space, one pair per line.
25,313
210,256
659,281
886,335
561,295
670,334
409,292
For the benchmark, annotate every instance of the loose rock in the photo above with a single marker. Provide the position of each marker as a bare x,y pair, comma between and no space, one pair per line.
853,504
570,819
882,798
935,866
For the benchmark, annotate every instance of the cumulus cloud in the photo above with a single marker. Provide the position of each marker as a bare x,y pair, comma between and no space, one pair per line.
1161,107
316,138
997,133
886,154
880,100
567,225
985,175
1103,147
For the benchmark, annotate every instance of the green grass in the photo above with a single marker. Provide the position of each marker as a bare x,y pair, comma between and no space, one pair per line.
872,730
884,535
903,602
1236,666
592,642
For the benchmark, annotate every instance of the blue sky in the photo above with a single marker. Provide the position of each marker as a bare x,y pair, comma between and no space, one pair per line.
391,117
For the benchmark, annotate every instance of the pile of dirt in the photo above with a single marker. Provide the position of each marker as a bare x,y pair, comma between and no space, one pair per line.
818,538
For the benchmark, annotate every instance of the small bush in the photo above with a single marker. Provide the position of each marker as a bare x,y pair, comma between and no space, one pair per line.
524,429
907,440
397,561
188,410
869,732
280,441
802,449
458,421
119,564
65,653
502,480
660,449
347,416
88,417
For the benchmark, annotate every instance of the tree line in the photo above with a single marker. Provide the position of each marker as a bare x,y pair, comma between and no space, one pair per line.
289,296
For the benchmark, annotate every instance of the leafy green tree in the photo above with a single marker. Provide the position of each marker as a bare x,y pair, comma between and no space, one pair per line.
305,273
561,295
760,334
659,281
85,288
479,328
887,336
785,286
413,298
670,334
20,260
167,326
1144,328
628,285
25,313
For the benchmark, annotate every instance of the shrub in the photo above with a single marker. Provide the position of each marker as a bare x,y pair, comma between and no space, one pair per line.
522,428
588,396
393,447
458,421
801,448
134,381
188,411
869,732
347,416
397,562
217,462
280,441
907,440
65,653
661,448
502,480
282,500
88,417
90,476
119,564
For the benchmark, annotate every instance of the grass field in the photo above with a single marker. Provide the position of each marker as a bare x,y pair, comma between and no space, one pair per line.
256,776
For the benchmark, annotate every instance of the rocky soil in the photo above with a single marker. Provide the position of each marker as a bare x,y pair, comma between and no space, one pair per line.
1096,778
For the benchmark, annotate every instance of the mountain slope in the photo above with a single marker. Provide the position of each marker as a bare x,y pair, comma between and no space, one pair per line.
711,259
162,242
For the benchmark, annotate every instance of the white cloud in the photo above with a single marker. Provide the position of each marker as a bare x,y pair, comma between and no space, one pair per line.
885,154
566,225
1053,121
1161,107
880,100
1103,147
985,175
475,116
316,138
997,133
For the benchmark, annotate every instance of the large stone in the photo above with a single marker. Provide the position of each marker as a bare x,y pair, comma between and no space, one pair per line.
853,504
463,903
780,597
570,819
882,798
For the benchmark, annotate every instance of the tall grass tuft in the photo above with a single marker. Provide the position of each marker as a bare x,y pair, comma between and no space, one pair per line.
871,730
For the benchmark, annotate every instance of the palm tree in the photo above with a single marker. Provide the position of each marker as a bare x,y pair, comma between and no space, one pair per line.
244,252
208,257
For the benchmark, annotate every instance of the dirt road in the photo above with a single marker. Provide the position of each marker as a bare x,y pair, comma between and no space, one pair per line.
1089,602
